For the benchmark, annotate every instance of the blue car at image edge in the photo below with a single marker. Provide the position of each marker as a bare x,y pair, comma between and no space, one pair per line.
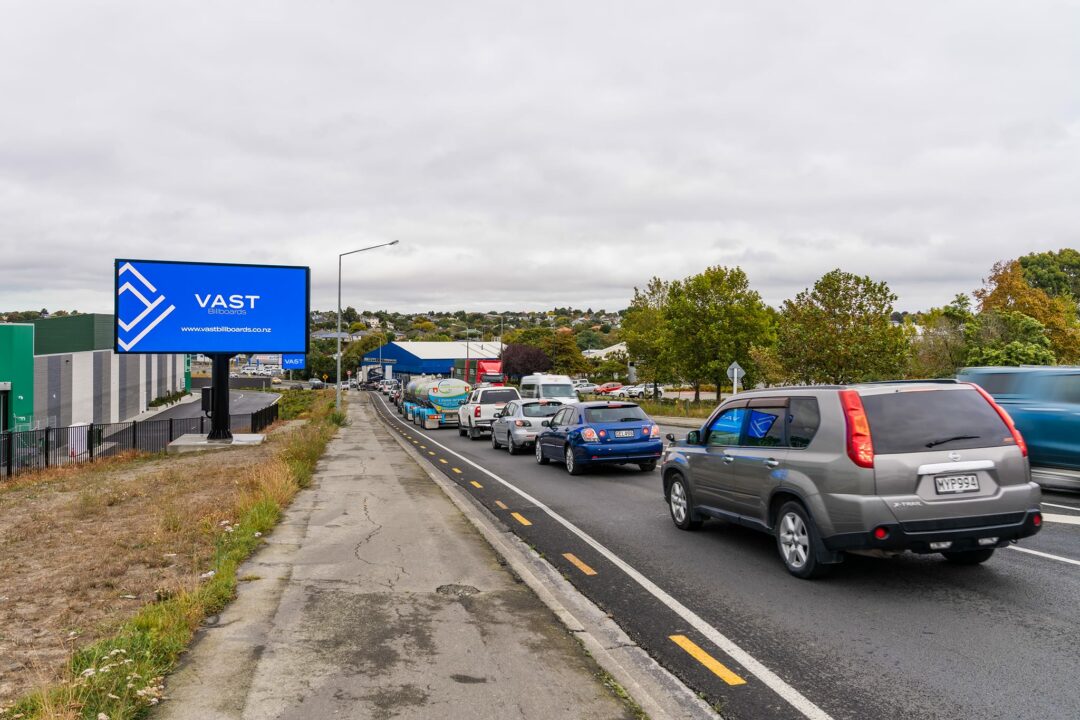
594,433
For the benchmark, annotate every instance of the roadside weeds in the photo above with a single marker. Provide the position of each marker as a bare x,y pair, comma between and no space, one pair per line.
119,675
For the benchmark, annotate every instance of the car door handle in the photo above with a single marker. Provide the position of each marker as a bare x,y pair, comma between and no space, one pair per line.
728,458
770,463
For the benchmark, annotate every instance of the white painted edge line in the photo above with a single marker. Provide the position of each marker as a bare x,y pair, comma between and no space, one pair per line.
767,677
1063,507
1066,519
1045,555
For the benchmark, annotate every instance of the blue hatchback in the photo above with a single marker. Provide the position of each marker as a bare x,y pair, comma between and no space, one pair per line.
614,433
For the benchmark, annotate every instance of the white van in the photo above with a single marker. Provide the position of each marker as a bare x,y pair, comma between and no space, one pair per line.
549,387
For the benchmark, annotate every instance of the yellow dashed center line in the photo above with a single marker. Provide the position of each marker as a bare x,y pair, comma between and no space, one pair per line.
442,461
520,518
415,442
424,446
430,452
475,484
578,564
707,660
501,504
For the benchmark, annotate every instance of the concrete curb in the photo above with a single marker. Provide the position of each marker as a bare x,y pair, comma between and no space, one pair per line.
659,693
694,423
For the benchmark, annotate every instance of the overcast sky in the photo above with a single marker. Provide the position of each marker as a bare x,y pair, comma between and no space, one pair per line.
529,155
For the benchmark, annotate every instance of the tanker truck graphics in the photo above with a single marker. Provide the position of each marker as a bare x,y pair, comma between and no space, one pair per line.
433,402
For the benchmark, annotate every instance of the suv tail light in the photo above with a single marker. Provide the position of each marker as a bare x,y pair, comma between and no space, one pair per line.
476,411
1005,419
860,447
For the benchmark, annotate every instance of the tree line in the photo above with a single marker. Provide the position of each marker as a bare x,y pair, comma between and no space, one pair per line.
842,330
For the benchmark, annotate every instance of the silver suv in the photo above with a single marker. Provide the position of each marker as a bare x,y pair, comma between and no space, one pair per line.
879,468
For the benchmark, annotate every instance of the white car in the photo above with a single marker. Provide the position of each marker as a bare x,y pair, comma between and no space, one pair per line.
478,412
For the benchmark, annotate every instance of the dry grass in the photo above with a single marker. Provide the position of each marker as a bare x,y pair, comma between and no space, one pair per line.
104,560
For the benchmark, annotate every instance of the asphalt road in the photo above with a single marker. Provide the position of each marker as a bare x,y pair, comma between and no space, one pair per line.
910,637
241,402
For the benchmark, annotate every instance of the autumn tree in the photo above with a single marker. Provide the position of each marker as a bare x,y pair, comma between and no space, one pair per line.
566,357
840,332
1008,289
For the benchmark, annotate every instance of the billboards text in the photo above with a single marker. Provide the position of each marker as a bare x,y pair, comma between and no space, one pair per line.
293,361
180,307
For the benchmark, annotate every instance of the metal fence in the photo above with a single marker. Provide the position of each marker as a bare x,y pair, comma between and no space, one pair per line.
31,450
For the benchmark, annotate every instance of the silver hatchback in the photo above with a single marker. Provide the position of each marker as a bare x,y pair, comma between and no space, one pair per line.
880,468
515,427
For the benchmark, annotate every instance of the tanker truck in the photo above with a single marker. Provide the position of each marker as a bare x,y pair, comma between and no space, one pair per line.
433,402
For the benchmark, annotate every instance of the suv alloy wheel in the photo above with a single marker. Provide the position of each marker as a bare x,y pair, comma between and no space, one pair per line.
796,538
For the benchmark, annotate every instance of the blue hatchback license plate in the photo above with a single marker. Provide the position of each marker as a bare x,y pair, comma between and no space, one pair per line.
624,433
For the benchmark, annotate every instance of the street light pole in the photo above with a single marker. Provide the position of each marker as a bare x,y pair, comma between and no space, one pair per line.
337,377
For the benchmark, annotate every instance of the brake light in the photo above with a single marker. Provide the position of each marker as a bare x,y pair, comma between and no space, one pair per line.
1036,519
654,431
1005,418
881,532
588,435
476,411
860,447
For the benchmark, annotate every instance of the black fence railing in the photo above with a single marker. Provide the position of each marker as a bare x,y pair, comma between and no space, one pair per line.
31,450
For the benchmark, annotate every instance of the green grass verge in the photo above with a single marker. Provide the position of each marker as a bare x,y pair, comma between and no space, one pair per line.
121,677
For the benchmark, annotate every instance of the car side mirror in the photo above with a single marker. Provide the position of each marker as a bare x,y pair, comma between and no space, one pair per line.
670,437
545,423
497,415
693,437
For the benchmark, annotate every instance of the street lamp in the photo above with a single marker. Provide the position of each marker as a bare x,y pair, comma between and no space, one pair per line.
337,378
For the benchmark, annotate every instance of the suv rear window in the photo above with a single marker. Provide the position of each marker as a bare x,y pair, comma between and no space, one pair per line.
488,397
925,420
618,413
544,409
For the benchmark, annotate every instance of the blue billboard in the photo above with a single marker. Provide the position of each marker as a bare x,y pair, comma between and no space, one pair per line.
293,361
181,307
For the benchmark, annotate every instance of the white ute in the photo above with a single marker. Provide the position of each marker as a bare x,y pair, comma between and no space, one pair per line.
478,412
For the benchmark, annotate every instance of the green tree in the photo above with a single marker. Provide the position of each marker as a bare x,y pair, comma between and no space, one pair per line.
589,339
566,357
1055,273
645,330
353,353
943,346
540,337
712,319
1004,337
840,332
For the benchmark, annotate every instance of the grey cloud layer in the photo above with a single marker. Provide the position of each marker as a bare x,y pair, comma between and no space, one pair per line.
528,156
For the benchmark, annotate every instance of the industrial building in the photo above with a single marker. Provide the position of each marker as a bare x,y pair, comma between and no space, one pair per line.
405,359
56,372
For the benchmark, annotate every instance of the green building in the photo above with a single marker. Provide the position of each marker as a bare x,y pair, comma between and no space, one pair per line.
58,372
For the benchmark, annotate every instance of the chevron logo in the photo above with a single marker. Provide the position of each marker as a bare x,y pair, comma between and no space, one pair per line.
143,291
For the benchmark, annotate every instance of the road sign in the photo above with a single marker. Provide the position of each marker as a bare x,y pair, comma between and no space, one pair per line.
325,376
291,361
735,372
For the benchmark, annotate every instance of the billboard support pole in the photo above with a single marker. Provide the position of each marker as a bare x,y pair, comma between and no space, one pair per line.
220,430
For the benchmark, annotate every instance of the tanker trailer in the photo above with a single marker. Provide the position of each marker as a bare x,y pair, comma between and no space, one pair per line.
438,401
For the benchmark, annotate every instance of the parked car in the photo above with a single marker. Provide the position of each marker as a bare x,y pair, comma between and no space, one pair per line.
600,432
316,384
477,413
891,467
607,388
585,388
515,427
1044,402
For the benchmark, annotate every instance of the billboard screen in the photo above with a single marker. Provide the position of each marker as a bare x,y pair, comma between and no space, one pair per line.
293,361
181,307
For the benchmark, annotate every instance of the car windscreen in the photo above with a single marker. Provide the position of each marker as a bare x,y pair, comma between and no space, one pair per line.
925,420
614,414
490,397
557,391
491,378
538,410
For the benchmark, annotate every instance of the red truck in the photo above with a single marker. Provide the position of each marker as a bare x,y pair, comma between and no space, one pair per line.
479,370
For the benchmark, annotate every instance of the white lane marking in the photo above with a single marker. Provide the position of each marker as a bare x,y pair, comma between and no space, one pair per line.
751,664
1063,507
1067,519
1045,555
